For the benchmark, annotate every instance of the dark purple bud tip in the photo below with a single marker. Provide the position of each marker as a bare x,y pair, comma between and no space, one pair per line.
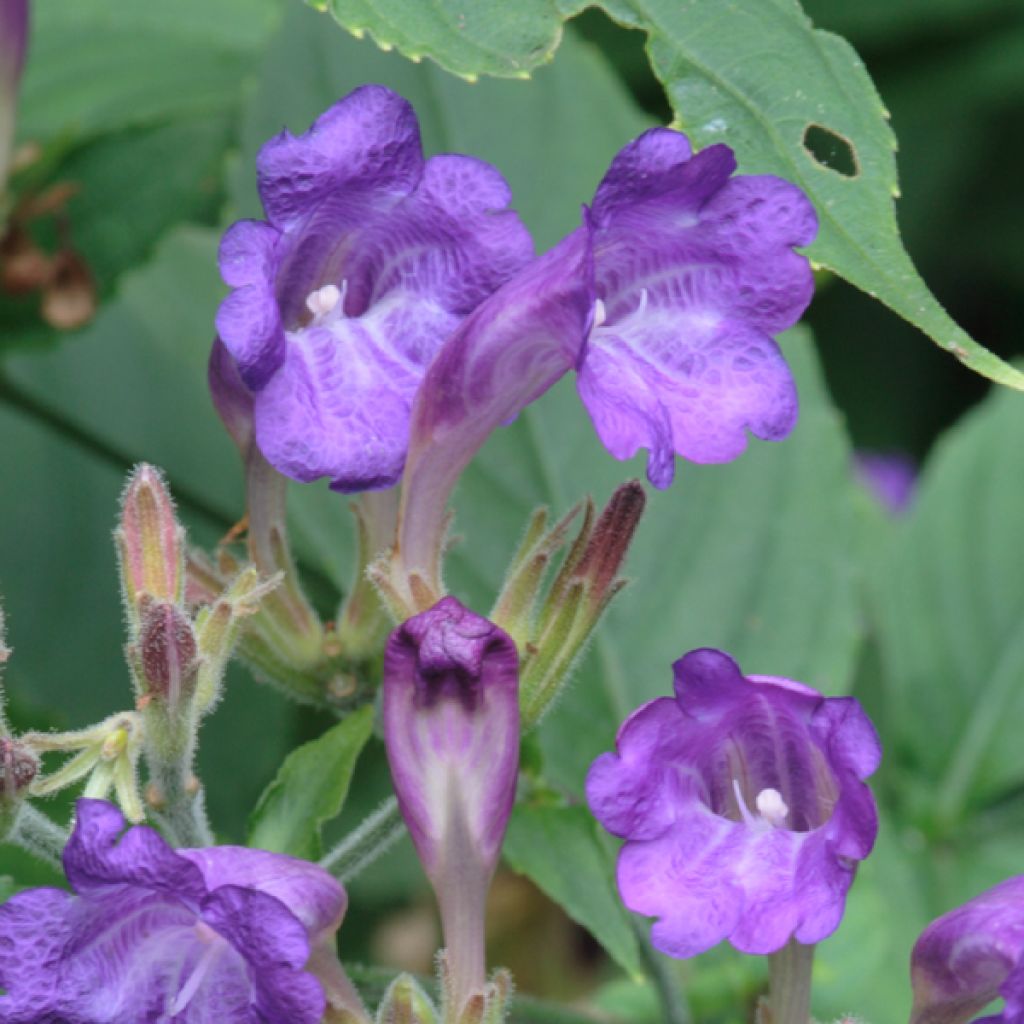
610,539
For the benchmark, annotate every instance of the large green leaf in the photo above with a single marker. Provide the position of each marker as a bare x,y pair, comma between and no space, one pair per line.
558,848
101,65
464,36
310,789
790,99
756,557
950,611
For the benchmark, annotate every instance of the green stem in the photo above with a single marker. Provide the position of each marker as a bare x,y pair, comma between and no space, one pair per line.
373,838
170,751
789,988
38,834
673,1000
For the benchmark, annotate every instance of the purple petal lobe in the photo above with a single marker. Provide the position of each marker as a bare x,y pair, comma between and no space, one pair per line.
695,272
368,140
308,891
743,808
101,853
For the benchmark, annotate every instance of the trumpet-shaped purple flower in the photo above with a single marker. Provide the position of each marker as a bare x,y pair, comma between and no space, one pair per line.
155,934
970,956
695,273
743,808
451,726
368,260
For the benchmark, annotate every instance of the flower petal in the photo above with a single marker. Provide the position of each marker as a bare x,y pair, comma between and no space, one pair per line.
367,142
34,928
98,855
275,946
690,385
341,402
309,892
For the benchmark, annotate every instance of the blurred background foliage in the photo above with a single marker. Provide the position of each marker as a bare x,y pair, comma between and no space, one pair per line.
139,124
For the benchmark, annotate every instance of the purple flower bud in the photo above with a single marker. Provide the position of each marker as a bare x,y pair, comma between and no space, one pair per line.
451,725
970,956
151,933
369,258
743,808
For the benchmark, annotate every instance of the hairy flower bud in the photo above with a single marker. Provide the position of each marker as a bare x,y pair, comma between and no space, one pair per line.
150,542
451,726
166,655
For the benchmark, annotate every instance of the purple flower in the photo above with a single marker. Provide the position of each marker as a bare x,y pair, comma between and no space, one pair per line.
742,807
156,934
695,273
451,726
368,260
970,956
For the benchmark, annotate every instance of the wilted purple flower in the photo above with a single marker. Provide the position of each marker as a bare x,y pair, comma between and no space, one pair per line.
742,807
970,956
151,933
451,726
369,258
891,477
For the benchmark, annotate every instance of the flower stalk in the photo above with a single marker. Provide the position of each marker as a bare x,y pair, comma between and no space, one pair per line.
789,984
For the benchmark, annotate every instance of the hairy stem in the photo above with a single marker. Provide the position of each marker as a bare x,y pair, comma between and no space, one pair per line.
789,991
38,834
359,849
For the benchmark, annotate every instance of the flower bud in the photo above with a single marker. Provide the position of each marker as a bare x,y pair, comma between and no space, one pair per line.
405,1002
166,656
586,583
150,543
451,727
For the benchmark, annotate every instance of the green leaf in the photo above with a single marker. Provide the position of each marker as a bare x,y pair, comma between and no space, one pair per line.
467,37
559,849
310,789
949,603
100,65
759,76
790,99
757,557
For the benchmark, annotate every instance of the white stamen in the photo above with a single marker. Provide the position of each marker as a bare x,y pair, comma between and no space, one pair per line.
772,807
642,308
214,947
600,313
748,818
325,300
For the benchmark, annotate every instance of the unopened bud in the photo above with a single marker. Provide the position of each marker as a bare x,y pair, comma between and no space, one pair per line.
609,542
18,767
150,542
405,1002
586,583
167,653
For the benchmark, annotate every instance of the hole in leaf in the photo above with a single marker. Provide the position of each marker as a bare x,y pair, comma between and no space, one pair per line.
831,150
